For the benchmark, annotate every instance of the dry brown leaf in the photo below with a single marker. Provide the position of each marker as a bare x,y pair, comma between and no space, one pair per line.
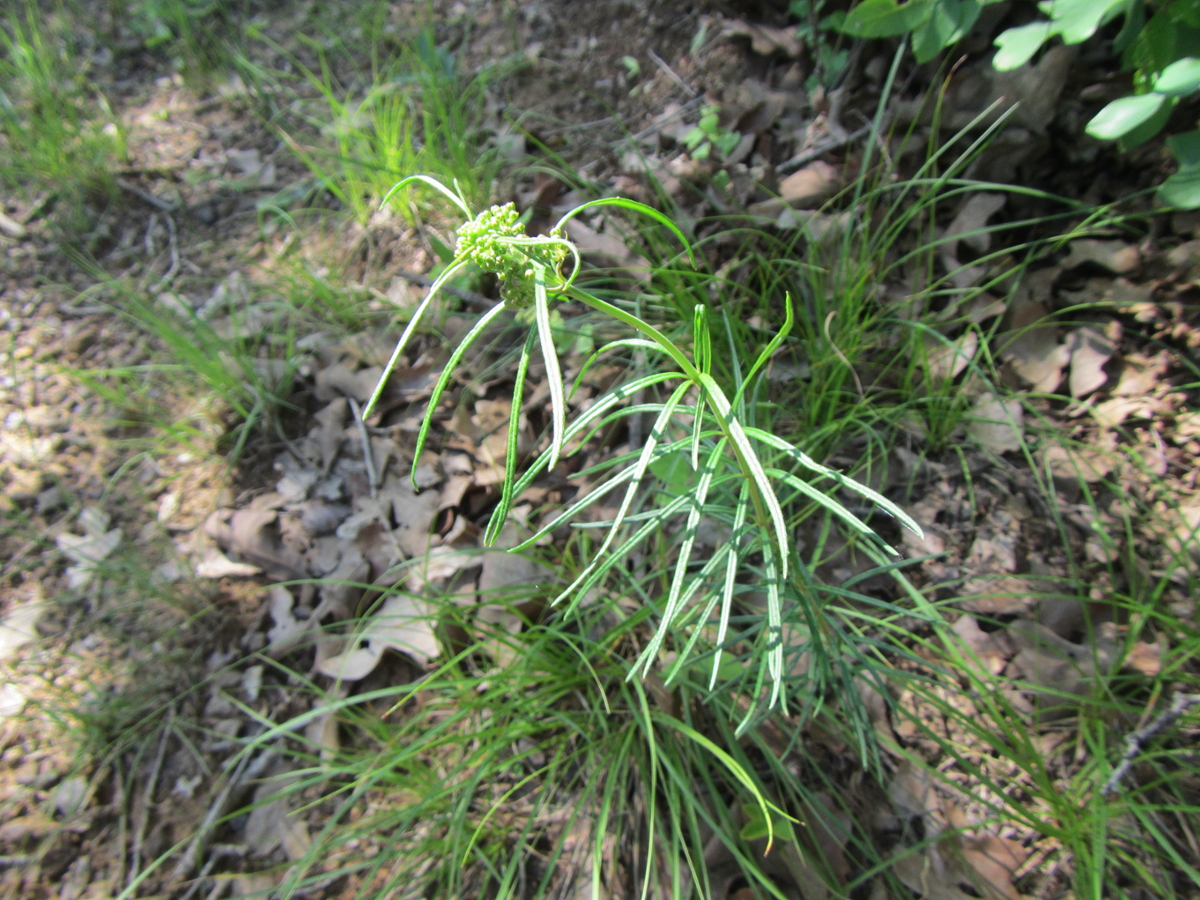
1069,465
88,550
947,360
1112,412
968,226
1057,668
1031,346
352,665
1115,256
807,189
997,424
19,625
21,828
413,514
994,860
1090,348
992,654
287,627
1144,658
764,39
272,822
217,565
607,251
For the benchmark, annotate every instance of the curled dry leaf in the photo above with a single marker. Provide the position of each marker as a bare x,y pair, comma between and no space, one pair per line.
1115,256
764,39
18,627
947,361
997,424
88,550
217,565
273,822
404,622
968,226
1091,347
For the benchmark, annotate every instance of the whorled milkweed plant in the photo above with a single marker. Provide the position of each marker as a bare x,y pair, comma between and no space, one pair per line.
725,453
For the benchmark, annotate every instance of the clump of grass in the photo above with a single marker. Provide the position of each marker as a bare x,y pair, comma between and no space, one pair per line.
363,131
192,32
57,130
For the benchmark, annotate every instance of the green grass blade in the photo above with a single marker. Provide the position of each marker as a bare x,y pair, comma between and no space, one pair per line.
433,183
772,346
634,206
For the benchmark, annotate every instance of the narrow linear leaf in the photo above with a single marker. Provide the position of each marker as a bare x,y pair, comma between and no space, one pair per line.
735,769
675,596
774,627
590,579
449,273
811,464
601,406
444,379
433,183
750,462
739,524
510,456
640,470
558,413
633,206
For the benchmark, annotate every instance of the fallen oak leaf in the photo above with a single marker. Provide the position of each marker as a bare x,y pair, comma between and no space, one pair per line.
764,40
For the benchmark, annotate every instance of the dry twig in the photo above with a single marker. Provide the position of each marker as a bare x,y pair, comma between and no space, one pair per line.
1136,742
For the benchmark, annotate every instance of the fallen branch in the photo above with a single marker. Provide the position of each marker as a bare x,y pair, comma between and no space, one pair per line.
1136,742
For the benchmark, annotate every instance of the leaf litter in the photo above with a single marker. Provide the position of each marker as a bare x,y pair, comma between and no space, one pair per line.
357,543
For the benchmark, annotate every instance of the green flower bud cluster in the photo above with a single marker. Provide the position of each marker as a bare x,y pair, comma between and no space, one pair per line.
495,241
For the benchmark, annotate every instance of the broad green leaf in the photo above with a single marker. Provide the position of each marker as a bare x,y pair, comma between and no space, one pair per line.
946,25
1149,128
886,18
1017,45
673,472
1183,188
1122,116
759,826
1078,20
1180,78
1186,147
